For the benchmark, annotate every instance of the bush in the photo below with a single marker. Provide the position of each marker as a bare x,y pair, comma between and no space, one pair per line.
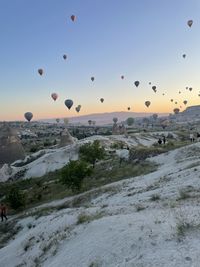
92,152
16,198
74,173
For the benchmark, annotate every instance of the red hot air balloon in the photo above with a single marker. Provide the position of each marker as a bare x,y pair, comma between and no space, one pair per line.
54,96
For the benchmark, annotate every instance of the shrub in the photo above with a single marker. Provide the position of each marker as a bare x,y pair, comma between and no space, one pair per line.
16,198
92,152
74,173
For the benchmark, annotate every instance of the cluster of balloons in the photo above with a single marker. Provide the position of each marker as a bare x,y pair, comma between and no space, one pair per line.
69,103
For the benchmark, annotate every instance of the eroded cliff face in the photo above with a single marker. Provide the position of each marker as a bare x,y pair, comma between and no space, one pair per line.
11,148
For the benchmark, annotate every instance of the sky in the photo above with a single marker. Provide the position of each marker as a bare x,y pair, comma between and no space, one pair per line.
143,40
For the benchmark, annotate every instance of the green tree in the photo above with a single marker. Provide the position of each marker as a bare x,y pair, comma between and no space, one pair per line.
130,121
92,152
74,173
16,198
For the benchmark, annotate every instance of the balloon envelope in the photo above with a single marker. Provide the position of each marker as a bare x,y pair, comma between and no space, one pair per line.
28,116
176,110
40,71
136,83
190,22
54,96
65,57
115,119
73,17
147,103
68,103
101,99
92,79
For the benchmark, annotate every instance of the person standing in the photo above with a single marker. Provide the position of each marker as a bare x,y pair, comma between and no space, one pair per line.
191,137
164,140
3,211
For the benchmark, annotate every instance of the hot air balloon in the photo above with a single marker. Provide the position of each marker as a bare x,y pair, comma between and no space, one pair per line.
149,83
154,88
186,88
77,109
175,103
185,102
40,71
57,120
190,89
54,96
190,22
92,79
115,119
28,116
128,108
179,92
64,57
73,17
68,103
122,77
184,55
176,111
172,100
101,99
163,94
147,103
136,83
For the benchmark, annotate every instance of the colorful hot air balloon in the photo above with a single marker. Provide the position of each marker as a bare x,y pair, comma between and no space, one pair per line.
101,99
64,57
147,103
68,103
92,79
73,17
40,71
54,96
190,22
136,83
28,116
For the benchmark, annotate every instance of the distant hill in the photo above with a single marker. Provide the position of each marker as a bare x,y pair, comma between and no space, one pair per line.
105,118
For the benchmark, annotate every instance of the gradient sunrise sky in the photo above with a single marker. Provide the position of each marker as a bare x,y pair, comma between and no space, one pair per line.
141,39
